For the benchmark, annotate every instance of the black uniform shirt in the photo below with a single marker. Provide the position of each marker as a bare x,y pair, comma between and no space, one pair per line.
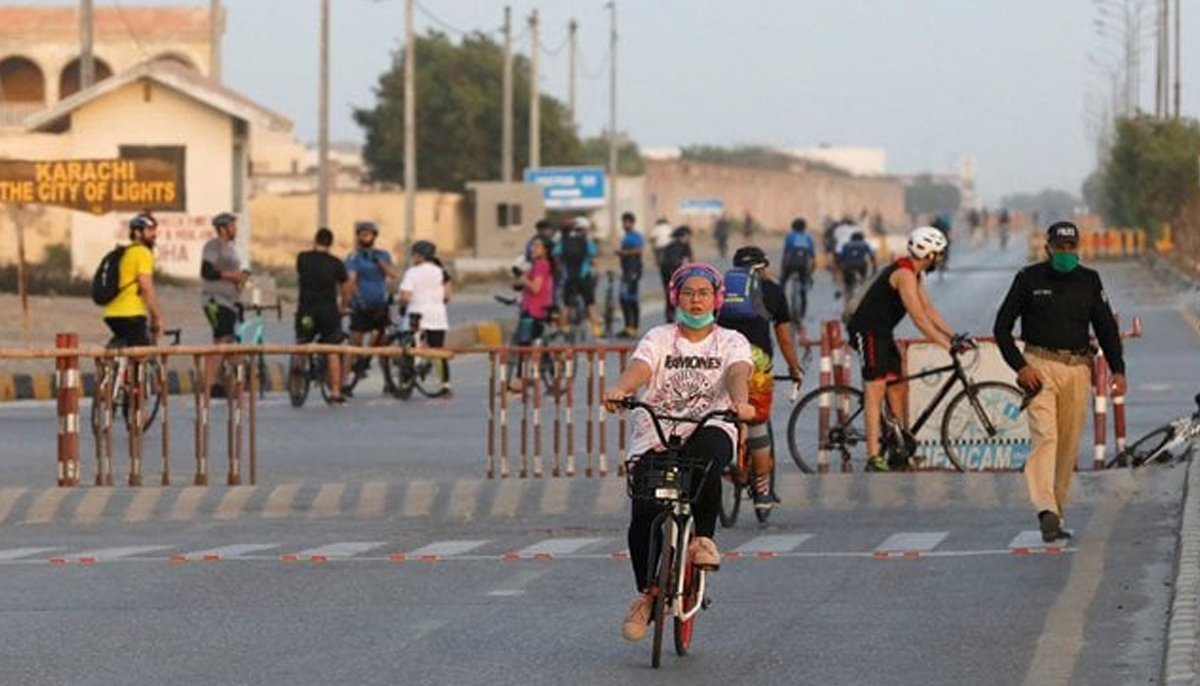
1056,310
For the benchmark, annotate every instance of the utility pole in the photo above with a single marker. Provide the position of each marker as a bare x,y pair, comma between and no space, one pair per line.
216,27
410,129
1162,63
323,123
1177,19
506,125
535,111
572,31
612,124
87,58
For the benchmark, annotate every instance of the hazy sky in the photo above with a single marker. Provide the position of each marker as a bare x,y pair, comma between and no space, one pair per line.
1005,81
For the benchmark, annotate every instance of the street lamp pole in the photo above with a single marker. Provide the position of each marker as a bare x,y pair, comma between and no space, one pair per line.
612,123
410,129
323,124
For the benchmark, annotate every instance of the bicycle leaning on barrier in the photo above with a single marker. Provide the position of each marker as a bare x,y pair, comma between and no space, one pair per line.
672,482
829,420
412,369
1169,443
121,385
252,331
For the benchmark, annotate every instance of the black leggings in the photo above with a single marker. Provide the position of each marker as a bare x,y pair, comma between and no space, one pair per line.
710,442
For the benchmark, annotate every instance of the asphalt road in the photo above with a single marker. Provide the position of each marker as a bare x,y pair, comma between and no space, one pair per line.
825,595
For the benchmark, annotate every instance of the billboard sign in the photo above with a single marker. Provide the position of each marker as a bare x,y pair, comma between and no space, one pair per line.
98,186
570,188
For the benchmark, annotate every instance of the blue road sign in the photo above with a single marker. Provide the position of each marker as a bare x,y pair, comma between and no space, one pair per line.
570,187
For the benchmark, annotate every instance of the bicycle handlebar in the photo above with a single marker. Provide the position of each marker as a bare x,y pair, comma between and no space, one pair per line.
259,309
173,334
657,418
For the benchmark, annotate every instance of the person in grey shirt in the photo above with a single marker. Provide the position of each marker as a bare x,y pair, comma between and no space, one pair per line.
223,278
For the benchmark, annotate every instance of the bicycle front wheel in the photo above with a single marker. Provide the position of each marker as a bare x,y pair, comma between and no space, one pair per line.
826,424
987,418
665,583
684,628
298,380
1143,449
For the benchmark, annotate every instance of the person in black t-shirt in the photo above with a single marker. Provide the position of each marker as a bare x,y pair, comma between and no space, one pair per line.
757,330
324,298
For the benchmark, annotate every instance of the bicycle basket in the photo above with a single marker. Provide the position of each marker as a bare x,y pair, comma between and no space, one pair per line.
663,477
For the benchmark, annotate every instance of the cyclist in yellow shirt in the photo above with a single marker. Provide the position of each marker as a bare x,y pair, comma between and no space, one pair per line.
126,315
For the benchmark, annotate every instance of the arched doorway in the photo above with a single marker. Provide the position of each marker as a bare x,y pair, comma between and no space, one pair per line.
68,80
21,81
176,58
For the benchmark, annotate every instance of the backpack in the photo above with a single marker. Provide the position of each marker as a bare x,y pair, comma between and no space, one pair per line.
674,255
106,281
743,295
797,257
574,255
854,254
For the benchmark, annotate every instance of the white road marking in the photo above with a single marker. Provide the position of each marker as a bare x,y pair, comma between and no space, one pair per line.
102,554
772,544
18,553
235,550
447,548
912,541
1033,539
342,549
559,546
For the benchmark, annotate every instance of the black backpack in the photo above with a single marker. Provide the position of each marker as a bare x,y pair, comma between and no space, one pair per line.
574,255
106,281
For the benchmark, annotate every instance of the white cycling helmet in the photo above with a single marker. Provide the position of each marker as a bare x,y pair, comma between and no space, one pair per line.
925,241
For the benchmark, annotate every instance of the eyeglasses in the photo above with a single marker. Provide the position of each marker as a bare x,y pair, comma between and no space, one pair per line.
702,294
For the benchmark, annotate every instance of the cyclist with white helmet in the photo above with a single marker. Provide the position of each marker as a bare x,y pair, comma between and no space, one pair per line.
899,290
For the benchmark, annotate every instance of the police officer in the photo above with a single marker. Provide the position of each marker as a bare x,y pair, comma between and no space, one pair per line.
1057,300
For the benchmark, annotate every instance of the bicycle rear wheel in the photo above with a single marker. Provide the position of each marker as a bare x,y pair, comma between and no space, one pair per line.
826,424
149,393
1141,450
298,380
428,376
731,498
666,565
965,426
552,371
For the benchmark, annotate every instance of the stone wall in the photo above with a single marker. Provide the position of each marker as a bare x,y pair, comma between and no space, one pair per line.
774,198
285,225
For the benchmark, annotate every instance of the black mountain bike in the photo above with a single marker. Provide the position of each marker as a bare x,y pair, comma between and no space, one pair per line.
829,422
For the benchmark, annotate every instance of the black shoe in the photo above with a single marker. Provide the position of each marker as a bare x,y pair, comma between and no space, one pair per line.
347,391
337,400
217,391
1050,526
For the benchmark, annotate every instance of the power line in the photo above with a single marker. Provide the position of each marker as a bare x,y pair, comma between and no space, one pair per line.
599,72
129,29
554,52
451,27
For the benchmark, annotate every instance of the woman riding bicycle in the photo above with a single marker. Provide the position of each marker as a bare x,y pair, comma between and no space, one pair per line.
687,369
537,301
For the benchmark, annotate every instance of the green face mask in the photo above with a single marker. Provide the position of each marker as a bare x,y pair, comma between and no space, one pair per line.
1064,261
693,322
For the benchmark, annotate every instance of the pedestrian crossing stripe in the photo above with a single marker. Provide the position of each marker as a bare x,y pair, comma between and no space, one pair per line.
896,545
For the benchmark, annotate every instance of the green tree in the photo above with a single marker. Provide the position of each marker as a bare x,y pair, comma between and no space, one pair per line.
925,195
629,157
458,115
1150,175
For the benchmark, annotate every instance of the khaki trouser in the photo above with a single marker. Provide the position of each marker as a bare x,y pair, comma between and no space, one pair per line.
1057,415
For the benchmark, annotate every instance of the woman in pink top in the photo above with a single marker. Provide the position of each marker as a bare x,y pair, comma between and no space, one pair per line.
537,297
685,369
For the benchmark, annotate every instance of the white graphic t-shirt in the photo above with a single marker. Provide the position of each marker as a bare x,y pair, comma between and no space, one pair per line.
688,381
